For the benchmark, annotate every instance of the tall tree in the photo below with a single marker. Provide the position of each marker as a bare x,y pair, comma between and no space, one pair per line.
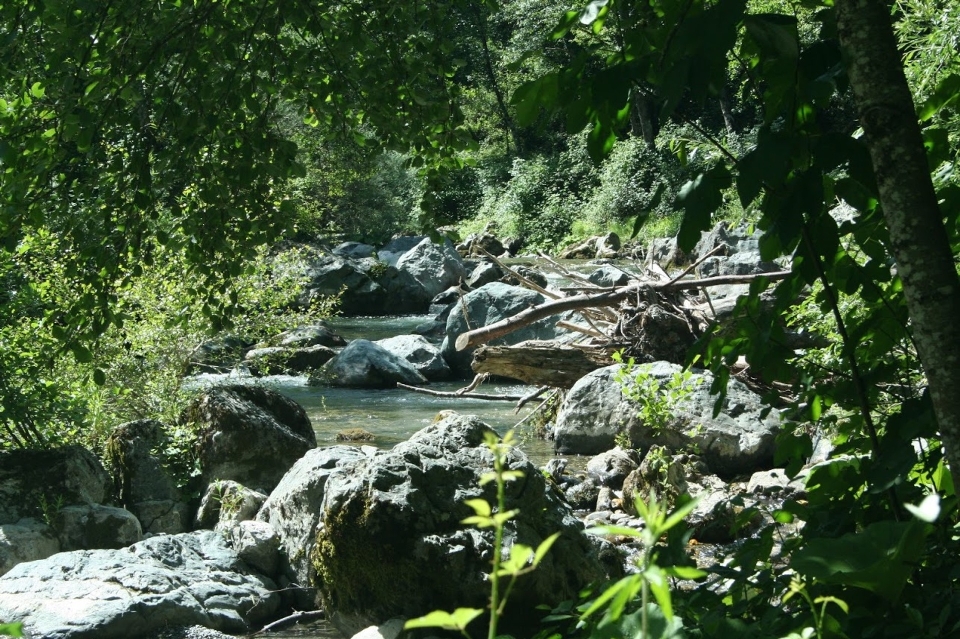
918,238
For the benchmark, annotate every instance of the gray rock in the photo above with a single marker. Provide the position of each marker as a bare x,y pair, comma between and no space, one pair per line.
162,516
144,487
393,519
608,246
774,482
609,276
306,336
257,544
389,630
279,360
218,355
227,503
363,364
421,353
738,440
95,526
355,250
175,580
34,483
365,287
660,475
485,273
138,472
434,266
487,305
612,467
293,509
249,434
396,248
528,273
583,495
665,252
26,540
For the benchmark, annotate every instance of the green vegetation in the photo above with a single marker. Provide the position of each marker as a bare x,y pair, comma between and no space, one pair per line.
149,151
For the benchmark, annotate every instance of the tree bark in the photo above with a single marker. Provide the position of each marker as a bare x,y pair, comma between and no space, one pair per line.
541,363
918,239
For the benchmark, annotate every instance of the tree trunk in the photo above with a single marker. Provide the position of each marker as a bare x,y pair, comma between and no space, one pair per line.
918,239
727,110
541,363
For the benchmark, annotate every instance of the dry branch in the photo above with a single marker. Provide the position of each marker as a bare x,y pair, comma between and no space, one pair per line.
459,395
609,298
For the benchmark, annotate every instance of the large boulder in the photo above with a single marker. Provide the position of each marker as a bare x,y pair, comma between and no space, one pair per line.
306,336
279,360
142,483
92,526
421,353
217,355
393,519
249,434
26,540
168,580
740,439
294,510
363,364
365,287
435,266
34,483
486,305
392,251
355,250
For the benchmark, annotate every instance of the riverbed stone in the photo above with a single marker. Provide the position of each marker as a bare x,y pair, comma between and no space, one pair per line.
611,467
311,335
175,580
217,355
226,503
355,250
392,251
609,276
485,273
27,540
435,266
421,353
365,287
34,483
257,544
280,360
90,526
486,305
740,439
392,520
249,434
294,510
364,364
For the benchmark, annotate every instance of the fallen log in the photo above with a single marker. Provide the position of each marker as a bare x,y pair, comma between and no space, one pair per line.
541,363
459,395
608,298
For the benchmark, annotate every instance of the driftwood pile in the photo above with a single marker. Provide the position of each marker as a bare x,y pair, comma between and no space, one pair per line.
653,317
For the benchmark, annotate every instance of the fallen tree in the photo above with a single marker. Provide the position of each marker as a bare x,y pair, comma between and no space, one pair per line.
485,334
542,363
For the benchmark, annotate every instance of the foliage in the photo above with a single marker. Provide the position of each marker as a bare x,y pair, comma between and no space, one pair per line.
650,575
11,629
521,560
657,401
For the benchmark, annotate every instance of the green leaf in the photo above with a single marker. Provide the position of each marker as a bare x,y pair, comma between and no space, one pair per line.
700,198
880,559
11,629
37,90
479,506
684,572
81,353
99,377
947,93
544,548
459,620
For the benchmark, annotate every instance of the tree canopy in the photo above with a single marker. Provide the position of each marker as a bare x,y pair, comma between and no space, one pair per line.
132,132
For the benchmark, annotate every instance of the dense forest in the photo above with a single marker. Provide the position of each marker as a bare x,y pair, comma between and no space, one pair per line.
157,161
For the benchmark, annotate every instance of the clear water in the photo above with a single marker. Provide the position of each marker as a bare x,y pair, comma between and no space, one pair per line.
391,415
